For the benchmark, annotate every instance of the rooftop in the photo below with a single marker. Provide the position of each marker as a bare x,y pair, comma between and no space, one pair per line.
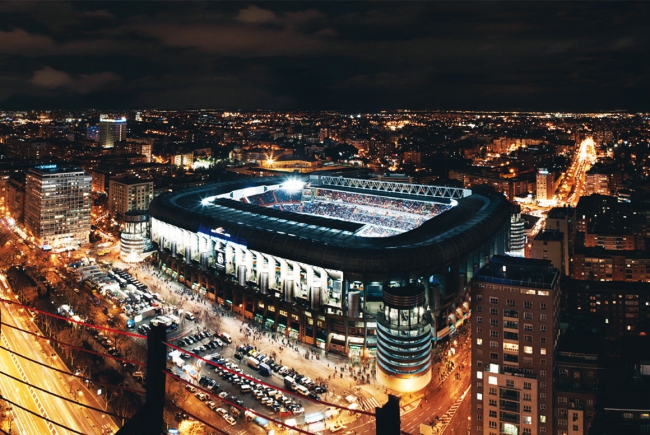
519,271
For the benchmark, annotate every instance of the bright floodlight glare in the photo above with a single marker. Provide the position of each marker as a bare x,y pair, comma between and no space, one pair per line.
208,200
293,185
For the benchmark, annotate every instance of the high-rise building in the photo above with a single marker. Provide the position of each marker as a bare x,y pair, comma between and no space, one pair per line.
545,185
517,239
111,130
127,194
57,205
516,305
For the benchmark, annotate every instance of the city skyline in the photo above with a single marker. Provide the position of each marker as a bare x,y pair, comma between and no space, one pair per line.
359,56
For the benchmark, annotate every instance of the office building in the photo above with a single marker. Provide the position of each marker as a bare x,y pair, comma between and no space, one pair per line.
127,194
516,304
111,130
545,185
57,205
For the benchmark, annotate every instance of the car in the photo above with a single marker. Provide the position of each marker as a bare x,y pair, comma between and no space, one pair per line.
180,416
204,380
232,398
201,396
320,389
297,411
239,356
313,396
219,342
230,420
223,394
276,407
211,405
215,388
190,388
222,412
239,402
184,356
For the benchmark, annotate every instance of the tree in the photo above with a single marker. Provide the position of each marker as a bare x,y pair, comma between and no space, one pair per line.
192,427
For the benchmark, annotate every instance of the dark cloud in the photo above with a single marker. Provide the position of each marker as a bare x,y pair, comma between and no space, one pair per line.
340,55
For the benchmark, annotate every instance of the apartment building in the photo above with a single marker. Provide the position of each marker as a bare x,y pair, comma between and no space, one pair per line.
516,304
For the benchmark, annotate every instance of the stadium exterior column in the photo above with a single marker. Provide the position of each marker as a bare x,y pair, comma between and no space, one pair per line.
296,275
284,270
195,242
239,254
249,263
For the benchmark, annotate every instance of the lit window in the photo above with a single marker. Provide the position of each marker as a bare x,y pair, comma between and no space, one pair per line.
528,349
479,374
479,396
492,380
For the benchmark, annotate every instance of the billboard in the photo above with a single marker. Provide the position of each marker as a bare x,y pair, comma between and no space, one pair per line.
220,259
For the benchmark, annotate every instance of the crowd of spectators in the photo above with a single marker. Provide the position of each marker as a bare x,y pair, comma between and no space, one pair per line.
401,205
384,216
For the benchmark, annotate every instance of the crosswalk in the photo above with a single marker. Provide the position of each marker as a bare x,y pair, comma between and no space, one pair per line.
369,404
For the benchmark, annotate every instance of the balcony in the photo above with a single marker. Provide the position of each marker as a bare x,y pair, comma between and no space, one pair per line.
512,395
509,417
509,406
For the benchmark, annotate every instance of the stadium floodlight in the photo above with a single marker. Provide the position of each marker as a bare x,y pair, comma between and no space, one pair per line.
293,185
207,200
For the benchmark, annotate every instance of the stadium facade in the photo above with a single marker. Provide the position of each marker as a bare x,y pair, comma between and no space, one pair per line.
370,269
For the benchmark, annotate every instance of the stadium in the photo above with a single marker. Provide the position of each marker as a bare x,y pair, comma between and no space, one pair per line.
371,269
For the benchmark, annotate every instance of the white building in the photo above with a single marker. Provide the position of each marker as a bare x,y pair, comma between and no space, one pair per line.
58,201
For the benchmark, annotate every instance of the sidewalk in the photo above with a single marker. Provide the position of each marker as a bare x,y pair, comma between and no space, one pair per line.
328,367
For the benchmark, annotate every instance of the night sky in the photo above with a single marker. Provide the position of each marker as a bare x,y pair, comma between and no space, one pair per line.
336,55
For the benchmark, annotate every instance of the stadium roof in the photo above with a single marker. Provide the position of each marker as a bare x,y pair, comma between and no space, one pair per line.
331,243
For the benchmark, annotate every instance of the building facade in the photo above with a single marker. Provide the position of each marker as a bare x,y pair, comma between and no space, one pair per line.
111,130
127,194
57,210
549,245
515,309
